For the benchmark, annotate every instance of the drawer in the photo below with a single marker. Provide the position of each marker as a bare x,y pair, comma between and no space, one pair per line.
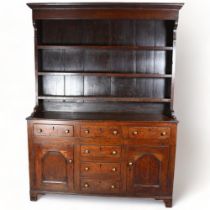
89,169
149,132
44,130
100,131
53,130
65,130
89,152
99,186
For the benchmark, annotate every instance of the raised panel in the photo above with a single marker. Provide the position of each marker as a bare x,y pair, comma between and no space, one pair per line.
147,169
54,167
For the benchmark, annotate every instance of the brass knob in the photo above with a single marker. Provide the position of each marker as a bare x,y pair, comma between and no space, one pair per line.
114,169
114,152
40,130
113,186
163,133
87,131
135,132
86,151
130,163
86,168
86,185
115,132
70,161
67,131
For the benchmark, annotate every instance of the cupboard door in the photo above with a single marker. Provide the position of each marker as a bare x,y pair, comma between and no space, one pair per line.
147,169
54,167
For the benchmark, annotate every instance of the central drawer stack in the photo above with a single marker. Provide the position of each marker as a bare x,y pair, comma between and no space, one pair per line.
100,159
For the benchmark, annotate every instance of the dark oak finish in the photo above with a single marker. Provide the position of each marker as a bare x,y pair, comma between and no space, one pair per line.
104,123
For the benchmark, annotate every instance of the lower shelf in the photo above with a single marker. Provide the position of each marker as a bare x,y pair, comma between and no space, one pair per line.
103,99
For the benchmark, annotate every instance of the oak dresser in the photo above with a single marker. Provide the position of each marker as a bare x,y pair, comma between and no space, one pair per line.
104,123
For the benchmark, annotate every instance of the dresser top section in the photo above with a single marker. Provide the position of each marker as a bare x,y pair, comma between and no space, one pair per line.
107,10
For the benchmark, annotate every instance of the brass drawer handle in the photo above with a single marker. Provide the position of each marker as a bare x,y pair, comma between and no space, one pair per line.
86,168
130,163
86,151
113,186
135,133
114,152
87,131
40,130
115,132
86,185
70,160
67,131
163,133
114,169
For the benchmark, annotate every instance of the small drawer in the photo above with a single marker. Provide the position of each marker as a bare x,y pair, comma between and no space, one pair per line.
44,130
149,132
65,130
100,131
96,152
89,169
99,186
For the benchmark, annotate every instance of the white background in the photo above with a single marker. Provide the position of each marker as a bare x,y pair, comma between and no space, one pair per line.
192,105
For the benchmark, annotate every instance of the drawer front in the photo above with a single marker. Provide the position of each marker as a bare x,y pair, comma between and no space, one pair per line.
99,186
92,152
89,169
149,132
65,130
44,130
100,131
53,130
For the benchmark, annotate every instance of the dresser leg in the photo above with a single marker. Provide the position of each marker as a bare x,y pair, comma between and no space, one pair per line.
33,196
168,202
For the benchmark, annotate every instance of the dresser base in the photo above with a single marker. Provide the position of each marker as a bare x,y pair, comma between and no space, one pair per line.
102,158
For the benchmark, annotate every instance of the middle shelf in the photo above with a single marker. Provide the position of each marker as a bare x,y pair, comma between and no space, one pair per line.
106,47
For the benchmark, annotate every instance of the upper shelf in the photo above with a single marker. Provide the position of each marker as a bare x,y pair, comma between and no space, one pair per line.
107,47
105,74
